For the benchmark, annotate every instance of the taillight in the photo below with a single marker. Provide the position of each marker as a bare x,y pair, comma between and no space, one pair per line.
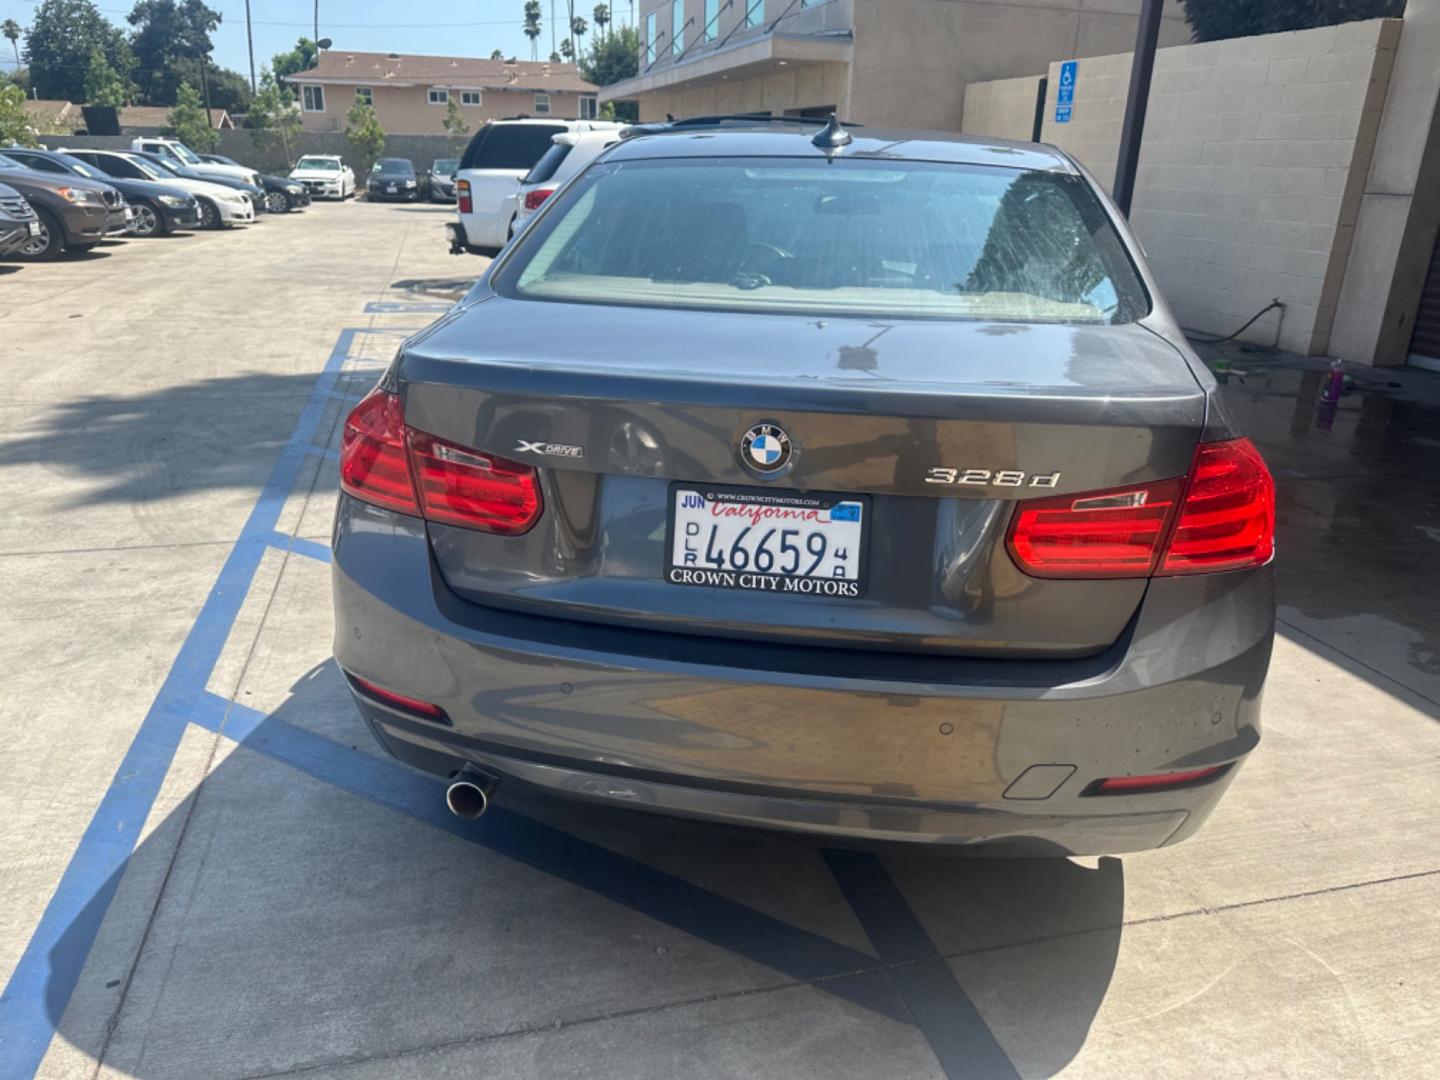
382,461
462,197
1228,520
1219,517
479,491
403,702
372,455
533,199
1134,785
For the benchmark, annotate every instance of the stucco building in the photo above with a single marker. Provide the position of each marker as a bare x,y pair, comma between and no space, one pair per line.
411,93
902,63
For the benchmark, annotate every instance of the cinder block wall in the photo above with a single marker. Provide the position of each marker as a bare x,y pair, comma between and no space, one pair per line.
1002,109
1251,170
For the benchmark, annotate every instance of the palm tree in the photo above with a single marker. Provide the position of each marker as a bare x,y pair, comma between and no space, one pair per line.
532,26
578,29
11,29
602,18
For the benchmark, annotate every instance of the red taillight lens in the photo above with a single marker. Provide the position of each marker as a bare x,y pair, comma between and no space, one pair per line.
479,491
1134,785
386,463
372,455
1103,534
403,702
533,199
462,197
1226,520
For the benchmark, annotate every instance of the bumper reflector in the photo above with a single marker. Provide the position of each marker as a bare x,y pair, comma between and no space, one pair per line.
399,701
1135,785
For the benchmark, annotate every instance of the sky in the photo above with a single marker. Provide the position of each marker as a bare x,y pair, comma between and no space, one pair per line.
478,26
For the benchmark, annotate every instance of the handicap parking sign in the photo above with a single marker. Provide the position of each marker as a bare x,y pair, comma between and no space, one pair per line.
1065,93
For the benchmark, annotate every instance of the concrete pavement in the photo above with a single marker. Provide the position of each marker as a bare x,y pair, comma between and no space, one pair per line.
207,869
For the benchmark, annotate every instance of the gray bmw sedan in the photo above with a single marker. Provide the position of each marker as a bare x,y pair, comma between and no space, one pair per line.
847,482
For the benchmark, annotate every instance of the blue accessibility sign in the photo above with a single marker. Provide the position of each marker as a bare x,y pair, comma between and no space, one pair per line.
1065,92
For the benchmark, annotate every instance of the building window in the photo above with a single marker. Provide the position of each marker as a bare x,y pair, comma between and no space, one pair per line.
364,95
712,20
677,26
438,97
470,97
650,37
589,107
542,104
755,12
312,98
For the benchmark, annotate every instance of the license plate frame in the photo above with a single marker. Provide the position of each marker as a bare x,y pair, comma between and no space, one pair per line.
34,228
754,580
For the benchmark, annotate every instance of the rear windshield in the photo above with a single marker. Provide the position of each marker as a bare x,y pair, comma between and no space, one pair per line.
849,236
545,168
508,146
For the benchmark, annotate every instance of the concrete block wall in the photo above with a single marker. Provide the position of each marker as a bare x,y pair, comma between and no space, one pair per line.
1002,108
1251,171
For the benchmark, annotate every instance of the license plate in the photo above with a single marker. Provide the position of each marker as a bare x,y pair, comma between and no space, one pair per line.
390,189
129,213
787,542
34,228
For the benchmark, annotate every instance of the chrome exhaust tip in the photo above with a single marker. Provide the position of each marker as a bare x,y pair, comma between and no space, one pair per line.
468,795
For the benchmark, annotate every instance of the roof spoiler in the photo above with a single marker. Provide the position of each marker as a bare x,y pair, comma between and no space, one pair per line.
723,119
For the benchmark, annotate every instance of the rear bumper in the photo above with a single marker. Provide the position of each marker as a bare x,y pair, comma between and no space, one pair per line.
782,737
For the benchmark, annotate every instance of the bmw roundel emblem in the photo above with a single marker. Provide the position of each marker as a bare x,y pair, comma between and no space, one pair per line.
765,448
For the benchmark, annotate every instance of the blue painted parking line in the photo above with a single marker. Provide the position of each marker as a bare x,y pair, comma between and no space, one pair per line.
49,968
920,990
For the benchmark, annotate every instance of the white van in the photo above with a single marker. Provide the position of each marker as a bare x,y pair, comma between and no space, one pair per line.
488,179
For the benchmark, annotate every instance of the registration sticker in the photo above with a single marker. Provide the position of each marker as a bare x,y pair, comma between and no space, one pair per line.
787,542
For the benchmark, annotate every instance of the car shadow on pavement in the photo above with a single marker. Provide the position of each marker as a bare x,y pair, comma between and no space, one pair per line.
318,905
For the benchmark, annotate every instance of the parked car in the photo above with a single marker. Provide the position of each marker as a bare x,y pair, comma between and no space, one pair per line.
281,194
75,214
254,193
325,176
157,208
440,181
499,154
393,178
19,224
568,154
218,204
176,151
939,531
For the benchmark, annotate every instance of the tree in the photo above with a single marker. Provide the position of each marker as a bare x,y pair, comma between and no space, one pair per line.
188,123
601,15
59,43
11,29
1212,20
102,85
532,26
365,135
273,120
554,58
612,59
15,124
301,58
229,90
455,125
170,35
566,50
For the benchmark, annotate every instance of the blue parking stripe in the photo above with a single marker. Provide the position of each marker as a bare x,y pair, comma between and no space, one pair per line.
311,549
944,1013
49,968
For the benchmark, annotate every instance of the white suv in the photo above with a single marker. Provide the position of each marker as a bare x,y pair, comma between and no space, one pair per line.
488,179
568,154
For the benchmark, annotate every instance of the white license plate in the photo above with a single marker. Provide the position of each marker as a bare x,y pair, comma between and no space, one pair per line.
129,213
34,228
786,542
390,189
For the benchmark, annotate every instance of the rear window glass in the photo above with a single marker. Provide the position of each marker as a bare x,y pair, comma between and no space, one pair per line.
545,168
849,236
509,146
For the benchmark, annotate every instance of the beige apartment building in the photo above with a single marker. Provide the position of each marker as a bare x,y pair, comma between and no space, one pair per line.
411,94
896,63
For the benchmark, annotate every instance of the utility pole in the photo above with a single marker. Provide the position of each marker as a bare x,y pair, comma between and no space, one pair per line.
317,21
1147,36
250,41
205,86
